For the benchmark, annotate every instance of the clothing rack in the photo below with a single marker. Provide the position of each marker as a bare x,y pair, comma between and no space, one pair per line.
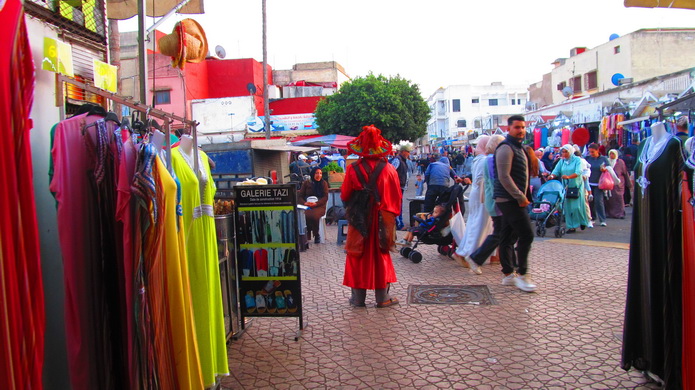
168,118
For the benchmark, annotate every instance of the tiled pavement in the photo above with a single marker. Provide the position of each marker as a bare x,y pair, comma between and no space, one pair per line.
567,335
564,336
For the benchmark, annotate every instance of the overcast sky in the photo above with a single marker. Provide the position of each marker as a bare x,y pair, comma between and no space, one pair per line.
432,43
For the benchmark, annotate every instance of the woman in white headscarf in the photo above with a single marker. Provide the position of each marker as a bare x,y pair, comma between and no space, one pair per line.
615,205
569,169
479,224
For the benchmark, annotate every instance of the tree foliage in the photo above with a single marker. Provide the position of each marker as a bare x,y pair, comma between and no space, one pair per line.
392,104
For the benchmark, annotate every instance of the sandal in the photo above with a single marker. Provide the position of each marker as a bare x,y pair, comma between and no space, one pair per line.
390,302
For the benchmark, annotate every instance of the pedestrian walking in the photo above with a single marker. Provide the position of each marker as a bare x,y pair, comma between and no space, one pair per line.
598,164
569,170
437,178
371,192
512,197
400,162
615,205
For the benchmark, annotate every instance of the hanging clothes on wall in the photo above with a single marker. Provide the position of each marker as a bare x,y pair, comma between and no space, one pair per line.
688,207
197,196
22,320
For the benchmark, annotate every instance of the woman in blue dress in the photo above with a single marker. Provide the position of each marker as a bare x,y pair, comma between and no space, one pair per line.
569,169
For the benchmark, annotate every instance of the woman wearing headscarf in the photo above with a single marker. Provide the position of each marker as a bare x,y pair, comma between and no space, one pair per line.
476,258
615,205
318,188
479,224
569,169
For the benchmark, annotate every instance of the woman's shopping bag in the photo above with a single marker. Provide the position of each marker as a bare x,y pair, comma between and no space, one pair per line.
605,182
457,224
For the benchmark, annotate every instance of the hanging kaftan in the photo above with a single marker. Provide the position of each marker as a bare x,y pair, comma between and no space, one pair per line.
203,264
652,330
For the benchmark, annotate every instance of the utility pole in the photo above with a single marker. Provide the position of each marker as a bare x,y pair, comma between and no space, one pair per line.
142,52
266,106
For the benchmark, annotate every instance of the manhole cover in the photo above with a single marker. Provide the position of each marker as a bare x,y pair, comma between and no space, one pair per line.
450,295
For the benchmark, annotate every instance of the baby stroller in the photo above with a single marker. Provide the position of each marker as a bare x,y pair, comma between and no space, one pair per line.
440,234
548,211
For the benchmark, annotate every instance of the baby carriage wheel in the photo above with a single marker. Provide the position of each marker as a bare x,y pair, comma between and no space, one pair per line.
405,251
440,249
541,231
559,232
448,250
415,256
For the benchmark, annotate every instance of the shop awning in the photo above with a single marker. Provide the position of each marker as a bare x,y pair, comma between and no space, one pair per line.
126,9
634,120
685,103
285,148
686,4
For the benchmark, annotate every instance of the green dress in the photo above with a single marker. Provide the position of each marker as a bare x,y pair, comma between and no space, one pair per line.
203,263
574,209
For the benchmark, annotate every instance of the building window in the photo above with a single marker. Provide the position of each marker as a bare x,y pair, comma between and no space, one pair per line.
456,105
461,123
513,102
561,86
162,97
518,101
590,80
616,50
493,102
576,83
475,100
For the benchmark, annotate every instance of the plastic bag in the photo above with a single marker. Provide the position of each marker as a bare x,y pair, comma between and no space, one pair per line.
605,182
457,224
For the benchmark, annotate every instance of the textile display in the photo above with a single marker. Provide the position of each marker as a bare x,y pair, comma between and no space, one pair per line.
143,297
652,334
22,320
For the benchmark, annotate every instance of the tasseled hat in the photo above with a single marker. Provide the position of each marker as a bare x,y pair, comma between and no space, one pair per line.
370,143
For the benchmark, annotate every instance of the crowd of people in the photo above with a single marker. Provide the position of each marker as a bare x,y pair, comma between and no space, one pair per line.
504,176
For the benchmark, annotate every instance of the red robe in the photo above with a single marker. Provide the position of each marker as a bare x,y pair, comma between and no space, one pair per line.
373,269
22,318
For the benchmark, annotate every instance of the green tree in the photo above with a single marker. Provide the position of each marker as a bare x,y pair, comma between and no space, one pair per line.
392,104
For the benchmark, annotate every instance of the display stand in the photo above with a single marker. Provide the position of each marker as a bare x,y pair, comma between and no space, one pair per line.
268,264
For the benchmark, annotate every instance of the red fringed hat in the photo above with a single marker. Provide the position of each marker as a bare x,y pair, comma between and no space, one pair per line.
370,143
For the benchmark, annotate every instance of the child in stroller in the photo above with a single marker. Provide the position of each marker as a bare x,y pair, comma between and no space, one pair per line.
436,231
425,225
548,211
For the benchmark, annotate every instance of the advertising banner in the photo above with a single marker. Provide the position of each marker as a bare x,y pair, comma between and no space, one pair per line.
268,261
290,122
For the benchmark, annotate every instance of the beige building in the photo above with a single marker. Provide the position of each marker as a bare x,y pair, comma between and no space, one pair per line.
640,55
310,79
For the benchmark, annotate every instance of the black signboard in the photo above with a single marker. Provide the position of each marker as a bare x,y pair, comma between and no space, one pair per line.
267,251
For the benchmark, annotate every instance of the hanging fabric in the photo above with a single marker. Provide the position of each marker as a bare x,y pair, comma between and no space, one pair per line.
22,320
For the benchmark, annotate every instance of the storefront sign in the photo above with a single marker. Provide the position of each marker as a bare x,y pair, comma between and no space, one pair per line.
57,57
105,76
292,122
587,113
268,263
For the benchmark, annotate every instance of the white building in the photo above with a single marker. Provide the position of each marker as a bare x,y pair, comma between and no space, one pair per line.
457,109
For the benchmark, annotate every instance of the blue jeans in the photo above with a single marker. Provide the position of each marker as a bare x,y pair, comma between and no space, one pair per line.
598,207
399,218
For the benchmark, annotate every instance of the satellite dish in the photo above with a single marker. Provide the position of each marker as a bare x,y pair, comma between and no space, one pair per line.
567,91
530,106
616,79
251,88
220,52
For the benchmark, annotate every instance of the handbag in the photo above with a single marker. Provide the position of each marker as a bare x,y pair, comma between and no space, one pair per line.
605,182
457,224
572,193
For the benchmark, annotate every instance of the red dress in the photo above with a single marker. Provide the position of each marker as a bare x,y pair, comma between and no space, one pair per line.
374,269
22,320
688,288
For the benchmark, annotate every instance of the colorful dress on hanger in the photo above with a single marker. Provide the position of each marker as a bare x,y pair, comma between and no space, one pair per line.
652,333
198,192
688,277
181,322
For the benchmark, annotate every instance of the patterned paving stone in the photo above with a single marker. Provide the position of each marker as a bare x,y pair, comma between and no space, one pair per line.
567,335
